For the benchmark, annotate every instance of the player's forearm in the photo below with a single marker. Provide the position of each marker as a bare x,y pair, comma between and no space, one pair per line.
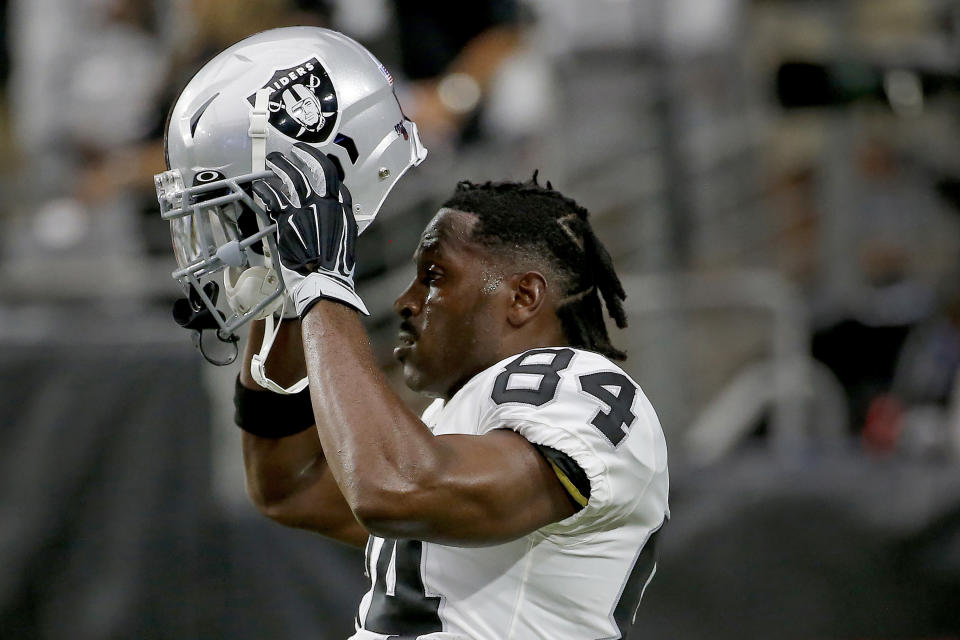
298,490
277,468
285,363
385,455
287,477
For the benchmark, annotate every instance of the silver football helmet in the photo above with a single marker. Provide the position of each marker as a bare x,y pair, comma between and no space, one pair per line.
263,94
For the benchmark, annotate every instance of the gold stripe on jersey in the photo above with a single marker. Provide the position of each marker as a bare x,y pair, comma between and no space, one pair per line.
569,486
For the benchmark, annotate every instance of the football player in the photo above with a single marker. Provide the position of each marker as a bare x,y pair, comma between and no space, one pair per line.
525,501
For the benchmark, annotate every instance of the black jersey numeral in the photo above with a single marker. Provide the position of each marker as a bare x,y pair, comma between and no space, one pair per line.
409,612
615,424
548,373
613,389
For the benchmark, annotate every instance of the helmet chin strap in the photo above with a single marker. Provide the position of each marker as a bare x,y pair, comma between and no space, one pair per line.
259,361
259,116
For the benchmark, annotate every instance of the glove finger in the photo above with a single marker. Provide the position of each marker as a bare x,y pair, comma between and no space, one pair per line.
297,187
350,231
347,199
270,195
326,178
329,221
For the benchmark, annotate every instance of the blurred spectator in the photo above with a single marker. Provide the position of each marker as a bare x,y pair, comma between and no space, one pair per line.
85,79
109,62
925,380
212,26
903,241
451,53
126,60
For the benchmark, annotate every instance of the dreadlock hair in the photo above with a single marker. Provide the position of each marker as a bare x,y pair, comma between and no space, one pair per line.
526,220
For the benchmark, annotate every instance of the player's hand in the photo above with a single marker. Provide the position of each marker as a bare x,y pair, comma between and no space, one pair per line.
316,230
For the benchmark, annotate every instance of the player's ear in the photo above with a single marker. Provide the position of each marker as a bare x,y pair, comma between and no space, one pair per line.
529,292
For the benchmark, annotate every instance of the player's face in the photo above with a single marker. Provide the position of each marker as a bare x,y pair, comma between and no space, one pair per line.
453,311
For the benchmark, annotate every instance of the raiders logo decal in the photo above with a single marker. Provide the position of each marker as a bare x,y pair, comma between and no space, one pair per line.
303,104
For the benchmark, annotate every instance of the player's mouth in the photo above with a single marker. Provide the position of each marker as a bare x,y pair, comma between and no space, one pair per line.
406,338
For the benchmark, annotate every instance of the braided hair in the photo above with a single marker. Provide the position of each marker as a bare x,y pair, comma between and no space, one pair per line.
529,221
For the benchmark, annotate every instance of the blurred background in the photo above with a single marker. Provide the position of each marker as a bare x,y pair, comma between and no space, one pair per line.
777,180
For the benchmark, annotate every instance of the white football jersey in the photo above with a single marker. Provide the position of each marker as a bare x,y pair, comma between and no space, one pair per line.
579,579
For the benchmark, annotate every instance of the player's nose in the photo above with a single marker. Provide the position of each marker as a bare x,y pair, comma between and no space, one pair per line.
407,303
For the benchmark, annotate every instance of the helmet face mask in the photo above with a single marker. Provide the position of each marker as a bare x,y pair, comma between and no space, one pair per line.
197,232
263,94
208,241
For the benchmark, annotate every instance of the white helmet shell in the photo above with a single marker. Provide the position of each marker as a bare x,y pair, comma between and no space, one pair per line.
324,89
263,94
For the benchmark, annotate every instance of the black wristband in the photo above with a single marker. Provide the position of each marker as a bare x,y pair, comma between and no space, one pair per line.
272,415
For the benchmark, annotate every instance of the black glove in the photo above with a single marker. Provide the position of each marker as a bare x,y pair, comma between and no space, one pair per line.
316,230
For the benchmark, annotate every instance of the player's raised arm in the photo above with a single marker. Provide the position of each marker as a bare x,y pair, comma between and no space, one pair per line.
287,477
400,479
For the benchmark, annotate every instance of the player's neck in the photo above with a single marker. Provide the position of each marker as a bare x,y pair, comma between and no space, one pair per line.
511,347
533,337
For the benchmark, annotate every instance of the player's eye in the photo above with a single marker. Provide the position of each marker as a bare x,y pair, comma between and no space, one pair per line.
430,276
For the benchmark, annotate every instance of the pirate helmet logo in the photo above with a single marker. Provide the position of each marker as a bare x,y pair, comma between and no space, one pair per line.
303,103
